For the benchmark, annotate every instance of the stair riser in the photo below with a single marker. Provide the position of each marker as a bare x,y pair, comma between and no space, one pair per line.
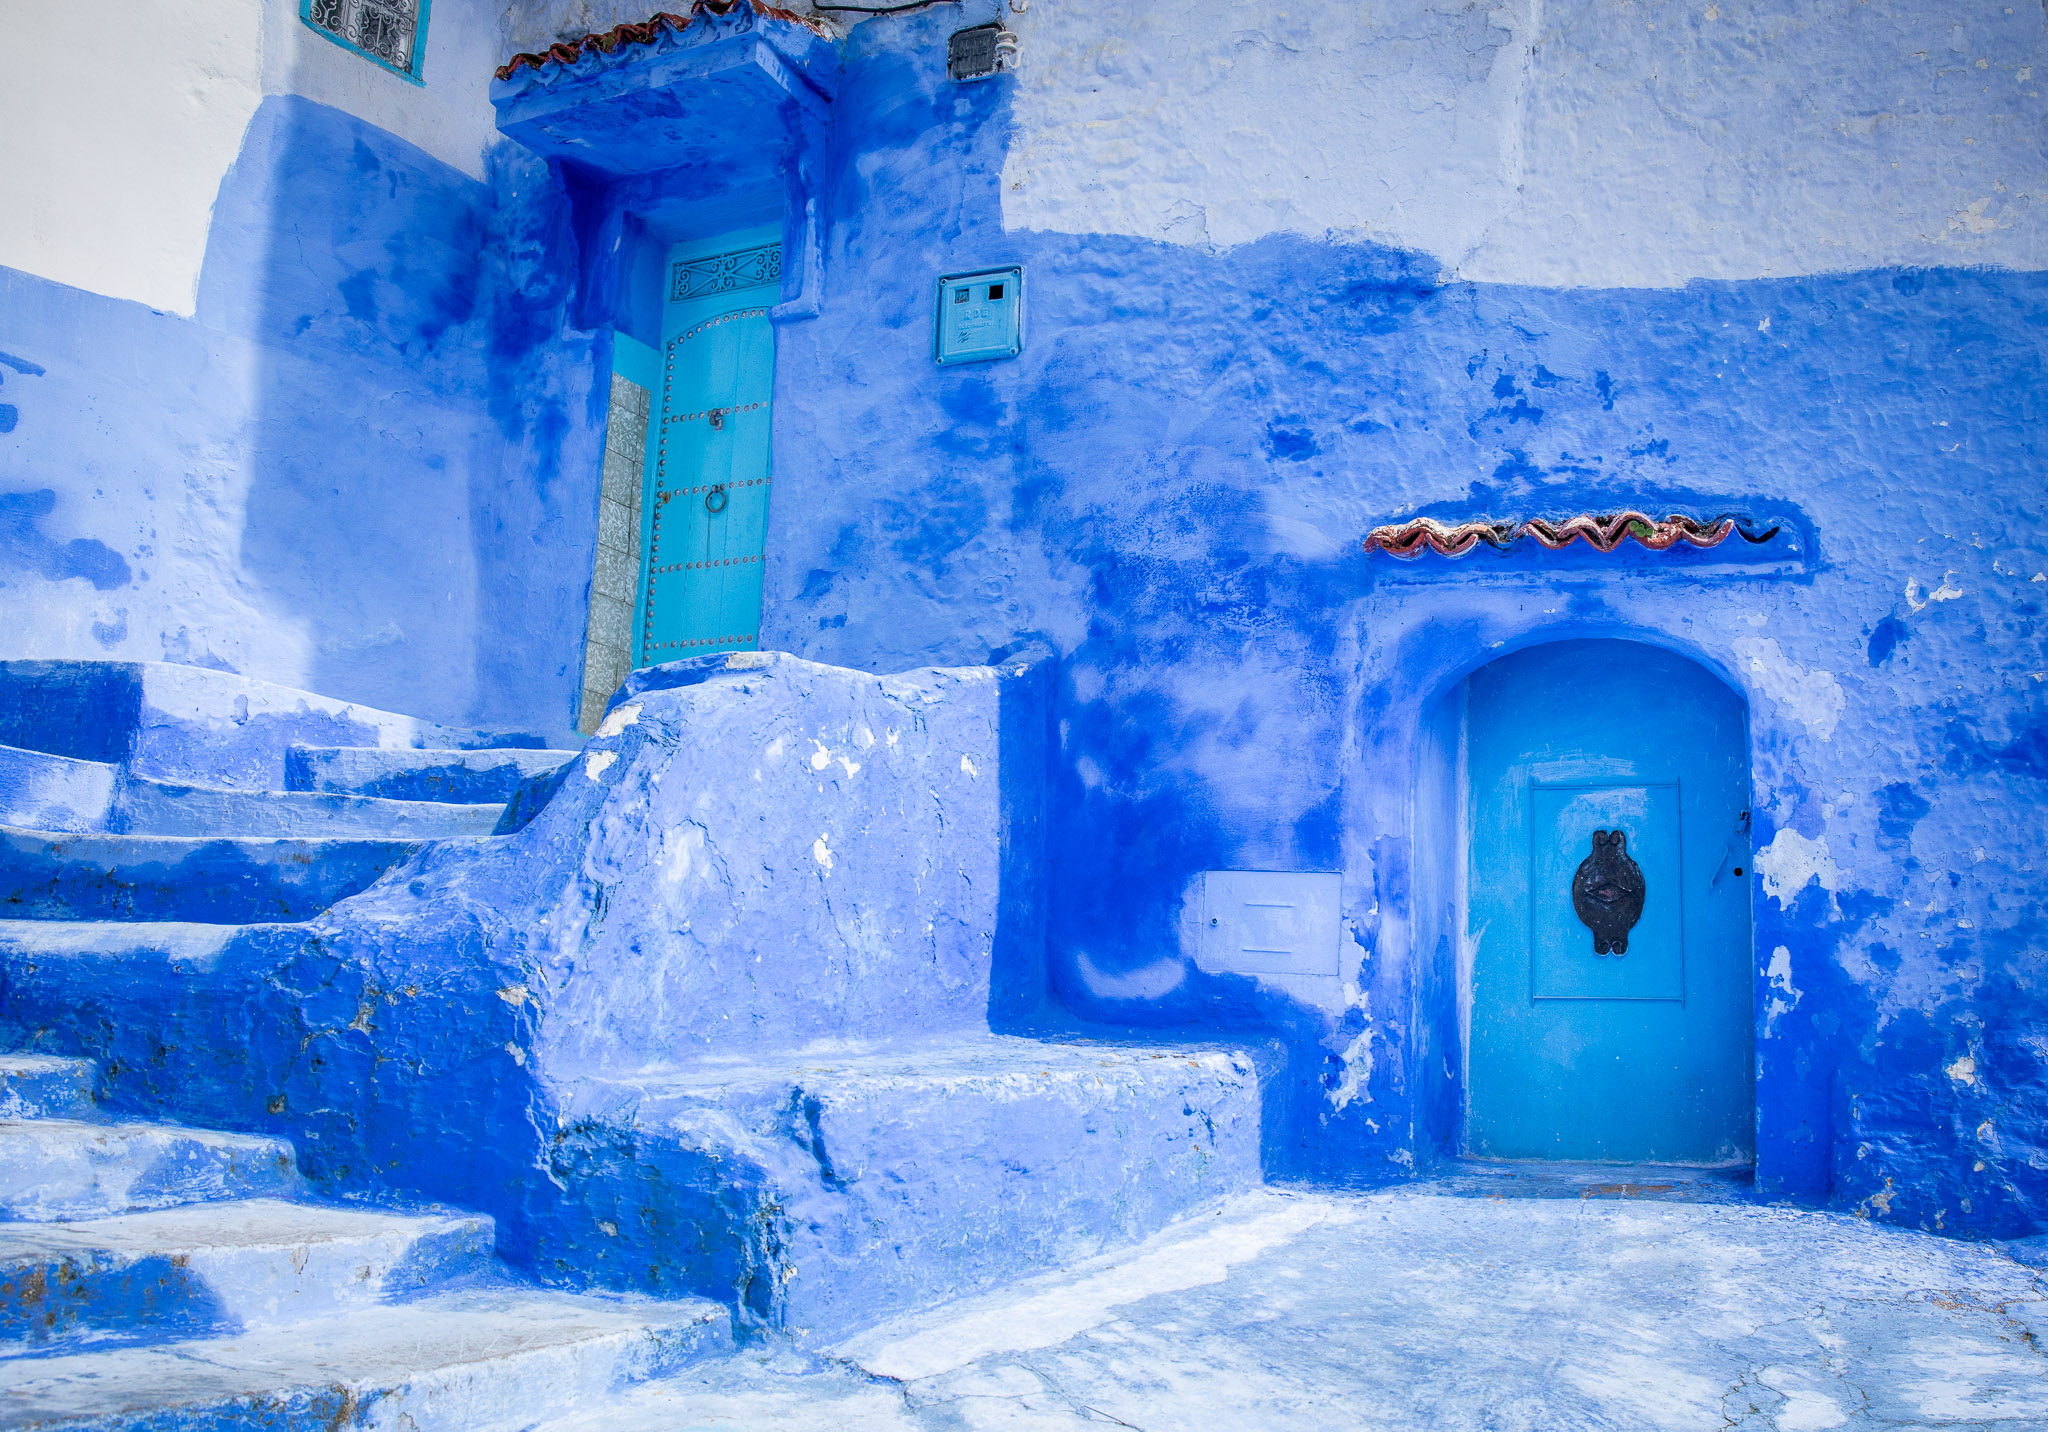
62,1090
110,877
44,792
51,1170
210,1291
154,808
508,1391
469,778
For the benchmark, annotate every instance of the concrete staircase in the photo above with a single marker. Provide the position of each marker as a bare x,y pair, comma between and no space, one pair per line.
221,804
728,1005
159,850
159,1277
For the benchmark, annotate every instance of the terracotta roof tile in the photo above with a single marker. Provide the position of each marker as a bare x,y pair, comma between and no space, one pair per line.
646,32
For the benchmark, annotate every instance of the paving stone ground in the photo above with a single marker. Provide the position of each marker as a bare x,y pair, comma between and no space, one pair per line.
1454,1307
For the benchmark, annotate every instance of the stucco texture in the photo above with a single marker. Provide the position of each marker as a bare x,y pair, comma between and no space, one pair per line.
1171,487
381,482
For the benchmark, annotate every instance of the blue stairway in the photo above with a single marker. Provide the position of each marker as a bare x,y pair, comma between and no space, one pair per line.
158,1276
150,792
740,1008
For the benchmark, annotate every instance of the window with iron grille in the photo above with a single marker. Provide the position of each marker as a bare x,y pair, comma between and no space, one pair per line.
391,32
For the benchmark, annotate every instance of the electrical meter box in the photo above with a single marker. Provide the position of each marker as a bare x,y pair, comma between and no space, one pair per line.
981,316
1281,927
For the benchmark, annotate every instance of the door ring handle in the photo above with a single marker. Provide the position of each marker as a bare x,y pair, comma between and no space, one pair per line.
716,498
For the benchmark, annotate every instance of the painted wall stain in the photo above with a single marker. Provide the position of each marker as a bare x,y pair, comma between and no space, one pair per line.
381,485
25,547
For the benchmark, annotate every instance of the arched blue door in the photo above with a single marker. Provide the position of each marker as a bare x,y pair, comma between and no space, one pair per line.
1608,906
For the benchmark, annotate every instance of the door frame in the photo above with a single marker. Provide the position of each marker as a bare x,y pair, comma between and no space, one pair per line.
1441,1006
679,252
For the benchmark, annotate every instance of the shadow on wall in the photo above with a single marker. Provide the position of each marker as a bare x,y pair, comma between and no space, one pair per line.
26,548
416,403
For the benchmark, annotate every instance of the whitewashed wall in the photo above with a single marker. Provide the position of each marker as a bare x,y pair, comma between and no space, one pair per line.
120,121
1568,142
117,139
449,115
536,24
1557,142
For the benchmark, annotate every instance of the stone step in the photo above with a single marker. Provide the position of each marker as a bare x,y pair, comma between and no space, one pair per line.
39,791
145,807
467,777
60,794
42,1086
223,1267
230,880
190,724
842,1187
475,1360
65,1168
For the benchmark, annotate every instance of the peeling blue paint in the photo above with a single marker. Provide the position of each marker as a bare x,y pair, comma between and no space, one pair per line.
1177,506
1168,491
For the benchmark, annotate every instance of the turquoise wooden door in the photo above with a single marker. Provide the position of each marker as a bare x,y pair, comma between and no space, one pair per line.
1608,902
704,513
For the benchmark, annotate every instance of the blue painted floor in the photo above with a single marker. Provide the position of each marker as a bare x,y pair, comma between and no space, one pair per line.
1439,1309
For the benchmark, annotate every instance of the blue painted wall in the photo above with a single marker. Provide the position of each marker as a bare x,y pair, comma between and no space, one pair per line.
336,475
1169,488
1171,485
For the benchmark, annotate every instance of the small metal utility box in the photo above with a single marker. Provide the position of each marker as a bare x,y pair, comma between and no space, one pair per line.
980,52
981,316
1281,927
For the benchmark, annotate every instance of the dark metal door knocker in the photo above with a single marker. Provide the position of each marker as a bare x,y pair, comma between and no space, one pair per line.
717,419
715,499
1607,892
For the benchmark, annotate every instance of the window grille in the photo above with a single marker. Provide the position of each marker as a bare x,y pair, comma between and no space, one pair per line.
391,32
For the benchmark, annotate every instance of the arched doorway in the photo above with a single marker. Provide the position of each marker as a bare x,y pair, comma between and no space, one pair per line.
1607,911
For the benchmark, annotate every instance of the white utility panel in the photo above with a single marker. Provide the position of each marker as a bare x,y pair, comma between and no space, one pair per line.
1270,923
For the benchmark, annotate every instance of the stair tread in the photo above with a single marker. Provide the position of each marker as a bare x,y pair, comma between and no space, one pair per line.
18,1064
219,1268
217,811
311,800
366,1351
246,1223
921,1062
94,1131
55,792
450,754
51,761
181,938
171,843
54,1169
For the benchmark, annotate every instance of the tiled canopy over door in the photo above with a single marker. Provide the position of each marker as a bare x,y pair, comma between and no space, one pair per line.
704,516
